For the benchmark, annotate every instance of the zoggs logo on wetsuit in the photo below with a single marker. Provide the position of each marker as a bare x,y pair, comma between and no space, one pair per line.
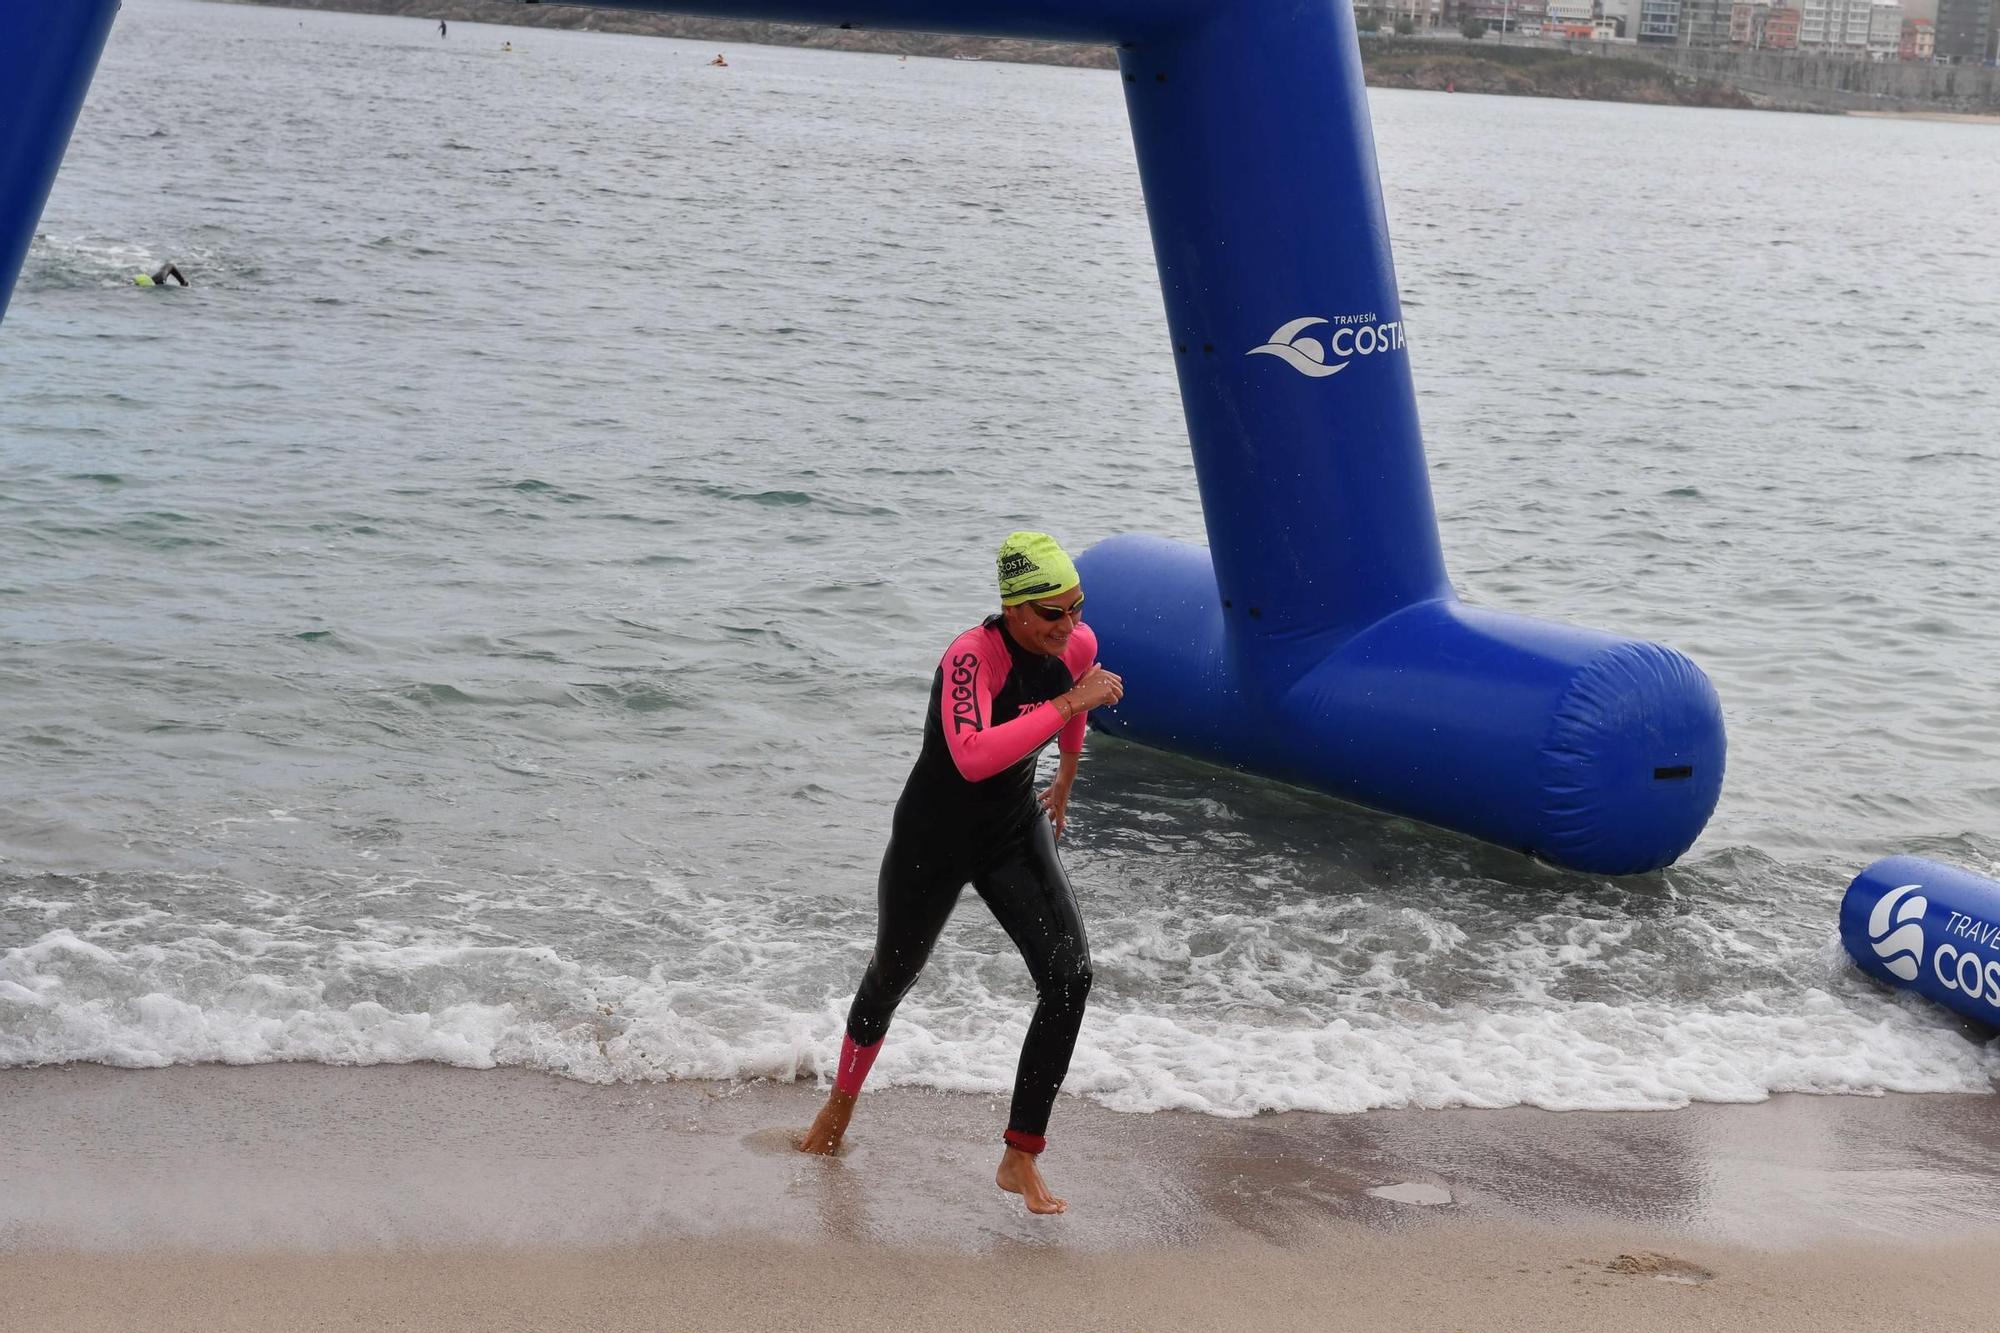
1353,336
1960,962
964,680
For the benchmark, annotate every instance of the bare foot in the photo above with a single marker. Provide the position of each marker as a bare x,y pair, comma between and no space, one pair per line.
1020,1174
830,1125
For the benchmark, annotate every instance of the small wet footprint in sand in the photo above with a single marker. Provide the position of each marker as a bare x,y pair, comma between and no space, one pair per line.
1661,1267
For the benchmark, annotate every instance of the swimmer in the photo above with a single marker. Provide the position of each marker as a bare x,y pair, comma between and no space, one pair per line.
506,46
159,277
719,61
441,28
969,813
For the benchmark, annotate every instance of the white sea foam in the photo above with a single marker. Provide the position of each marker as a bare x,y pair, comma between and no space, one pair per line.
259,999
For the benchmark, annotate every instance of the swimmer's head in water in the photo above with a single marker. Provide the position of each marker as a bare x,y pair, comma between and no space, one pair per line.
142,281
1032,565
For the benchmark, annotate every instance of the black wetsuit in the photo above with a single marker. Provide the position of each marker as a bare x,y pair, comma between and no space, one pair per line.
968,814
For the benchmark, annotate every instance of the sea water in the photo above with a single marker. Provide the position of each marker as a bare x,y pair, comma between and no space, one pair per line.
487,618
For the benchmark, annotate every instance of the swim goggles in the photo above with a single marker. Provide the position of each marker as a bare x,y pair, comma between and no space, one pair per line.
1055,613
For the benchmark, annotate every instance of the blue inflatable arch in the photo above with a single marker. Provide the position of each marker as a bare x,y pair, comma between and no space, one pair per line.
1316,639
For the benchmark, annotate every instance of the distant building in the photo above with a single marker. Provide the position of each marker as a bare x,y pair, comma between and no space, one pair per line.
1525,15
1781,29
1574,20
1624,13
1814,22
1500,15
1705,22
1965,30
1746,24
1919,40
1763,25
1659,21
1885,29
1421,13
1837,27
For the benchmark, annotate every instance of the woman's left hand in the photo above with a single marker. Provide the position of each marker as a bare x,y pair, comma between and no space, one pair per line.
1055,804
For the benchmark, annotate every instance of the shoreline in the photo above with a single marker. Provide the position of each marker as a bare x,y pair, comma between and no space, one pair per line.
1559,73
1942,117
432,1155
1387,61
220,1197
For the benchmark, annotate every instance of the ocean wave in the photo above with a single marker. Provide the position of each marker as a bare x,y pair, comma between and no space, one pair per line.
237,996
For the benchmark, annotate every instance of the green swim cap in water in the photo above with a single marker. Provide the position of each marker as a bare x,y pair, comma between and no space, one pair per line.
1032,565
143,280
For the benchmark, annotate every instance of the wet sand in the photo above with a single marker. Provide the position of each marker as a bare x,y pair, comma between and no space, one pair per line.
302,1196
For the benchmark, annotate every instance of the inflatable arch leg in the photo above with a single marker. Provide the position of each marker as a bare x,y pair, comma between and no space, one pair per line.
1317,639
46,61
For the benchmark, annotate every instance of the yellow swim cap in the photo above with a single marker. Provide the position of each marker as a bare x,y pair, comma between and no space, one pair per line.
1032,565
143,280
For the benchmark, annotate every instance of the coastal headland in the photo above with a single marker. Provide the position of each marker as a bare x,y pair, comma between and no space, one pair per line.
420,1196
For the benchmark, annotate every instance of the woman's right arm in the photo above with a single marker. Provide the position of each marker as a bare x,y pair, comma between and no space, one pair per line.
965,710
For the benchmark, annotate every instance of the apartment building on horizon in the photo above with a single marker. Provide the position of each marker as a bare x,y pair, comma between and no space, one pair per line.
1781,29
1759,25
1966,30
1659,22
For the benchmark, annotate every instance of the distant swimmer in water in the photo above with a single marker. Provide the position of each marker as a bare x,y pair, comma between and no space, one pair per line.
969,813
441,28
158,278
719,61
506,46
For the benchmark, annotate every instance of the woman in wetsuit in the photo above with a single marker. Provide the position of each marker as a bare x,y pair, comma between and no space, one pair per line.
969,814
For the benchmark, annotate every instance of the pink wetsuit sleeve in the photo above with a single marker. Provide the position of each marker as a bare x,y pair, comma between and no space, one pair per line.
975,667
1078,657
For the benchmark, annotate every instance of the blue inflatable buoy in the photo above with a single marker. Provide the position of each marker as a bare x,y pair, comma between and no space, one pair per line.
1928,927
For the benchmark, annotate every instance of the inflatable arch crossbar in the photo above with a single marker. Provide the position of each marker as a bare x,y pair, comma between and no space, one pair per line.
1316,639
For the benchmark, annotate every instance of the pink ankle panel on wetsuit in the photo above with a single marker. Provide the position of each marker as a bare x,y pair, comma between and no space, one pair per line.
975,669
855,1062
1032,1144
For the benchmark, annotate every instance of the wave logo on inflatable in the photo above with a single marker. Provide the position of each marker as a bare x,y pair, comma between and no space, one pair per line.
1304,355
1354,335
1895,930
